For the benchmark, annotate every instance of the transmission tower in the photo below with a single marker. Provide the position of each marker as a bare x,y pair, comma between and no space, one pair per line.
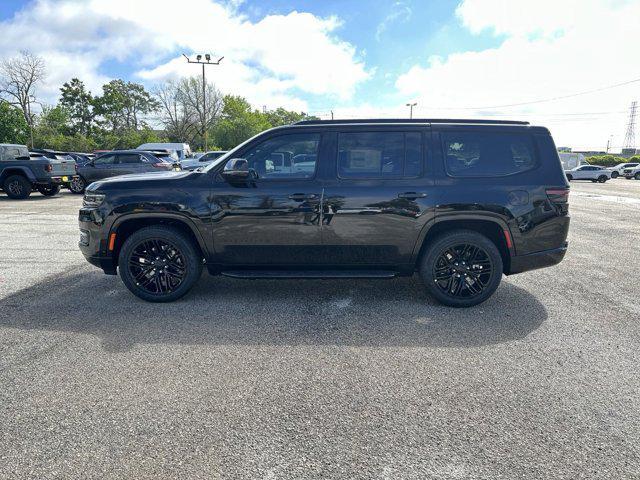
630,136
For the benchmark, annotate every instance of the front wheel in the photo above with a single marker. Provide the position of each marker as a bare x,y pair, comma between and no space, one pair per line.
48,190
461,268
77,185
602,178
17,187
614,174
159,264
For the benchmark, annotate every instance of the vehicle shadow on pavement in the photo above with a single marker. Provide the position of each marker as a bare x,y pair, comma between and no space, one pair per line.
224,311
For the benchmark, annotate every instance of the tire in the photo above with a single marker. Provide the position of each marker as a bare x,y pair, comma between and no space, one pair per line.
569,177
614,174
453,272
594,180
17,187
78,185
179,258
637,176
48,190
602,178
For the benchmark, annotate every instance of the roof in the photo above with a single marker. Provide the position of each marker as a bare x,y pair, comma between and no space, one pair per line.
412,120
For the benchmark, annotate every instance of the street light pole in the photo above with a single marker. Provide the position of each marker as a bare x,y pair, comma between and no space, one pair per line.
411,105
207,61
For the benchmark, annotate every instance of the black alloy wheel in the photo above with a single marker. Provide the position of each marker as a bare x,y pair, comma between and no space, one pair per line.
462,268
48,190
602,178
17,187
77,185
159,264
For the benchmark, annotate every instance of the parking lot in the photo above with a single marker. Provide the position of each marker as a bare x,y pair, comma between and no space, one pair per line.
309,379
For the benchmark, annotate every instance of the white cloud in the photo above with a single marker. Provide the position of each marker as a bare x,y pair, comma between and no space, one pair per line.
550,49
400,12
276,59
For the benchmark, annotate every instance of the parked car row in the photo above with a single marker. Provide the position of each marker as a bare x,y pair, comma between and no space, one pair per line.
596,173
23,171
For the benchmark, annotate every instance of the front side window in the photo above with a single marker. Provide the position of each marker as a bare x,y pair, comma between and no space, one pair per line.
106,160
476,154
285,157
379,154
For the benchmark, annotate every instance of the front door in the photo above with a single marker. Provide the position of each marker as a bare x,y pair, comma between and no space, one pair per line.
378,198
272,220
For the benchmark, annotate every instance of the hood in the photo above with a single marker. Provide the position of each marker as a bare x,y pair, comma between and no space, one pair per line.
129,181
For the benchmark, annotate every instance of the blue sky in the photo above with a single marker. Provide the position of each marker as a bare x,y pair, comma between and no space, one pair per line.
359,58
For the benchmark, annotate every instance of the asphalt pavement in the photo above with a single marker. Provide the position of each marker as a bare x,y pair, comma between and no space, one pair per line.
280,379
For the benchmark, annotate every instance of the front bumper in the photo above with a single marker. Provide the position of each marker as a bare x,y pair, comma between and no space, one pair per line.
536,260
93,240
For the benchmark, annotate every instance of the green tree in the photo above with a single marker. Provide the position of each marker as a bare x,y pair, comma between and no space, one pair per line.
123,105
13,126
78,101
51,128
238,122
282,116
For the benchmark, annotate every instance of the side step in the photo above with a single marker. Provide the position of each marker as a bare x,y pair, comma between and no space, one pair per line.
255,274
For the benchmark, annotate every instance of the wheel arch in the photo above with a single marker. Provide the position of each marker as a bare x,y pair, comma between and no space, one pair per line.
7,172
493,228
124,226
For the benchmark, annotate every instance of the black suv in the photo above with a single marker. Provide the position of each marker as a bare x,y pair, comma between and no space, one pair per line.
459,201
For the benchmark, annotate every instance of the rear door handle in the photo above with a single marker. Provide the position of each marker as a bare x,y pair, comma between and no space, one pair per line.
412,195
300,197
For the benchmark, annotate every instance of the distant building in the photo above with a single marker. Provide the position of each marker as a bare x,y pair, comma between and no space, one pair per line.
572,160
628,152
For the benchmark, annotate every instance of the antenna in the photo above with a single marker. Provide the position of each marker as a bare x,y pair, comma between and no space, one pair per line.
630,136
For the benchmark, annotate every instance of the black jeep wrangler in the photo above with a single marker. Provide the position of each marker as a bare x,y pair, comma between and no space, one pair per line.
461,202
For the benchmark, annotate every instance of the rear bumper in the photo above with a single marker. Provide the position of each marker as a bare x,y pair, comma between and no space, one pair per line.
533,261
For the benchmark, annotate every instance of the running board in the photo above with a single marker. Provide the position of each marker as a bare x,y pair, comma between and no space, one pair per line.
254,274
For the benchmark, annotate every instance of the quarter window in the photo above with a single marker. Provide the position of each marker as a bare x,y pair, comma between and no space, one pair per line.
470,154
285,157
379,155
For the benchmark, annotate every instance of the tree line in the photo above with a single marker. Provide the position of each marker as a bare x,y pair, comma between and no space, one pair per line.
125,114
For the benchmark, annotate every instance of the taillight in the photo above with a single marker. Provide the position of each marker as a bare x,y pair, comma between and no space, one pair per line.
559,197
48,168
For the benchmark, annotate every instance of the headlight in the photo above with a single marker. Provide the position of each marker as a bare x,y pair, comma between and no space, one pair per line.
93,199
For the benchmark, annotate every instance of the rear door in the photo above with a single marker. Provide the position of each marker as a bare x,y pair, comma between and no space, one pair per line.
378,195
127,163
102,167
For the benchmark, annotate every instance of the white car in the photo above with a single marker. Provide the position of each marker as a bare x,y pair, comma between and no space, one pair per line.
632,172
618,170
588,172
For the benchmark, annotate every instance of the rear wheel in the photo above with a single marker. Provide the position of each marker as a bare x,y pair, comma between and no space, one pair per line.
48,190
602,178
614,174
461,268
159,264
77,185
17,187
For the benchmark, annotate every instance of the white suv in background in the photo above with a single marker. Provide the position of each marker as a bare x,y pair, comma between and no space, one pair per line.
632,172
588,172
619,169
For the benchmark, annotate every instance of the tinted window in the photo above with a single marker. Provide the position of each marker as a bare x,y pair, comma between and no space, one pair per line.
471,154
379,155
129,158
106,160
286,156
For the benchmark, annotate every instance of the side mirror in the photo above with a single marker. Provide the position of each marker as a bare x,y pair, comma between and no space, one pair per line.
236,169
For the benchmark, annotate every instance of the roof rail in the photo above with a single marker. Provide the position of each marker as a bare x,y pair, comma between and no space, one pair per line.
413,120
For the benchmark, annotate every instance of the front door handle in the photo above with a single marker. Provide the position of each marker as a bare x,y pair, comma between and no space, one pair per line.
301,197
412,195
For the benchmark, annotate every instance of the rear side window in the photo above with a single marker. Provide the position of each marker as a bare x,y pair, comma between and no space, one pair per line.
379,154
129,158
474,154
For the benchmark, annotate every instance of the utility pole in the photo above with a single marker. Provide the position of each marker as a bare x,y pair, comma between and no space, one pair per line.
331,114
411,105
609,143
207,61
630,135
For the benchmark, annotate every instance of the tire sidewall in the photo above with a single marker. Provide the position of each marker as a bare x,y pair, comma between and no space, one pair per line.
450,239
193,262
26,187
